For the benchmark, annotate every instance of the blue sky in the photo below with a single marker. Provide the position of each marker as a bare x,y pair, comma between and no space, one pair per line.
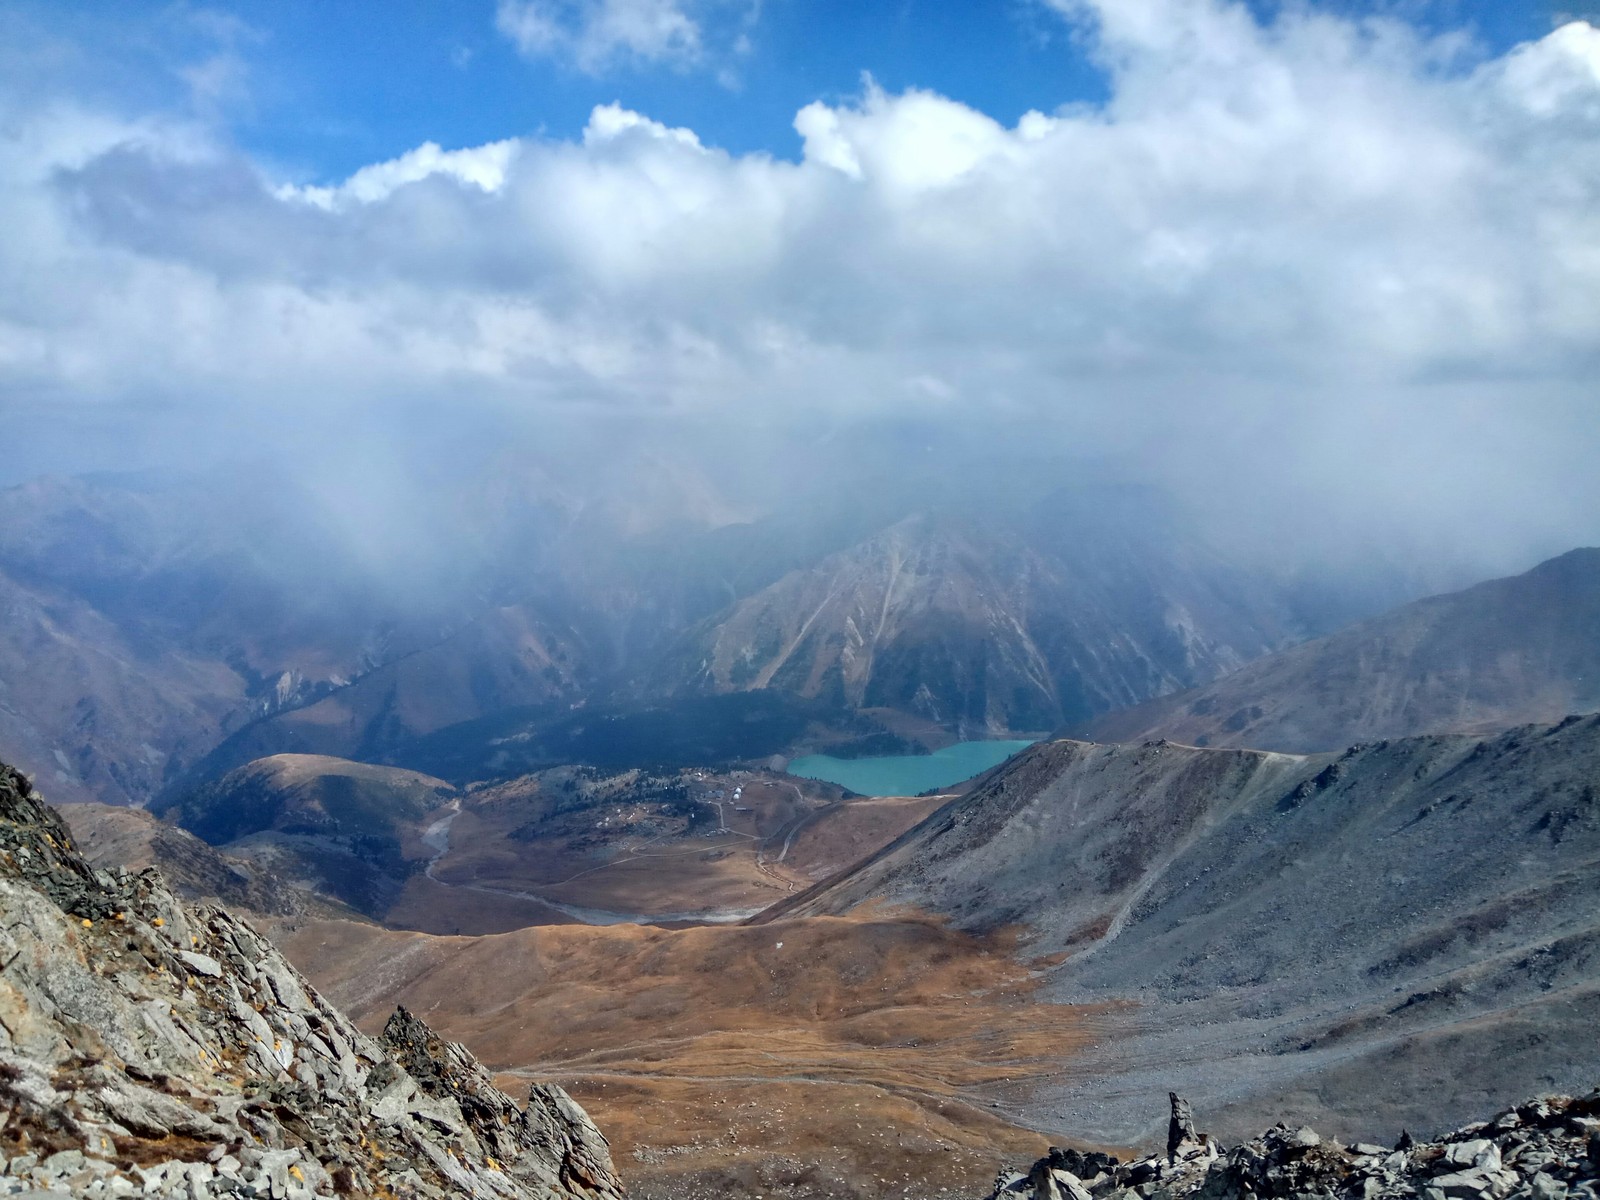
320,88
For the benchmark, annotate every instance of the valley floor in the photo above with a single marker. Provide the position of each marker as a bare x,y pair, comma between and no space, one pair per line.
827,1056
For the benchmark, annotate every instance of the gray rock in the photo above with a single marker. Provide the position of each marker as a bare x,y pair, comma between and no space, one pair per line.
66,1162
1479,1152
1180,1126
1462,1183
99,967
201,964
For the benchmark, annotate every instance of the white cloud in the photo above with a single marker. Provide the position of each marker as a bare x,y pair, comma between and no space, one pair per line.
1307,250
596,34
484,167
1559,73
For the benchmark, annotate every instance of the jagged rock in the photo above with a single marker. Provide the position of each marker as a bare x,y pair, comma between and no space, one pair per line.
1479,1152
156,1048
1084,1165
1180,1128
1545,1150
552,1140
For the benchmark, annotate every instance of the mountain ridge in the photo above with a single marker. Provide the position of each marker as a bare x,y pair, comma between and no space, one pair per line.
174,627
155,1047
993,628
1501,653
1284,924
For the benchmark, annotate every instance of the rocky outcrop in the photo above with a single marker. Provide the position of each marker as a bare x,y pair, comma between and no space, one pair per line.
551,1143
157,1048
1545,1150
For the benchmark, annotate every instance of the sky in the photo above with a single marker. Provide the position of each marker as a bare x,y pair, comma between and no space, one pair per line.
1327,265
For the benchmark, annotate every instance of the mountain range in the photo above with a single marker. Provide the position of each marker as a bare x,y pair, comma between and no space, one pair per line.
1393,924
991,628
168,628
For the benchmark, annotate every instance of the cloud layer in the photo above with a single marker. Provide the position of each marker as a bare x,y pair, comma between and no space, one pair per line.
1316,250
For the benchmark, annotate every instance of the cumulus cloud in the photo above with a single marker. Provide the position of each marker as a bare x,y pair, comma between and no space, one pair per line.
482,166
1308,257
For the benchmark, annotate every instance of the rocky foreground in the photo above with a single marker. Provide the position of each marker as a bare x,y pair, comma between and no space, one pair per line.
1545,1150
149,1047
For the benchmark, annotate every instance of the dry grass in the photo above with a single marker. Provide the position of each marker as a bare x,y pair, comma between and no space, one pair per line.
433,907
843,835
725,863
816,1055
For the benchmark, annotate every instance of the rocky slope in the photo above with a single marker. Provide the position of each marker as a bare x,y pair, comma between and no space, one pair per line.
996,625
1408,931
152,1047
1546,1149
1504,653
113,836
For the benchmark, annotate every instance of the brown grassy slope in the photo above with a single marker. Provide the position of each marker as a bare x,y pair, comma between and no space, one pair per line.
856,1049
845,834
428,906
624,844
1504,653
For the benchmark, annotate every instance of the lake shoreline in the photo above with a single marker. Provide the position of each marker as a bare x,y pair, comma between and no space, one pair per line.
908,774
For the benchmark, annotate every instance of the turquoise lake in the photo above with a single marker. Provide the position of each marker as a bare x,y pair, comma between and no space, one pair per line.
907,774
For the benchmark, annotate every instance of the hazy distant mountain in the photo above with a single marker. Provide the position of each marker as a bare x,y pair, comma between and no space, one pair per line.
1352,931
509,658
151,617
146,618
1072,608
168,628
90,712
1506,652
